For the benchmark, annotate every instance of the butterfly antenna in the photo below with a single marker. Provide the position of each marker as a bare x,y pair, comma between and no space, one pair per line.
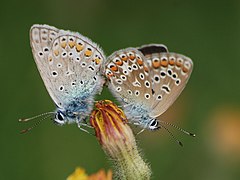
180,129
35,117
179,142
35,125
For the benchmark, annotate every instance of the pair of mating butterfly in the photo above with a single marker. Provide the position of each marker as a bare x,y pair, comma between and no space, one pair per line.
146,80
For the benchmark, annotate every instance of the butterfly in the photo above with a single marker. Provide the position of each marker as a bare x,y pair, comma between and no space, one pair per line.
147,80
69,64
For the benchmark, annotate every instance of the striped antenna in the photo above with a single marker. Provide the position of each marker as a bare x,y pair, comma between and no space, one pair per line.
43,115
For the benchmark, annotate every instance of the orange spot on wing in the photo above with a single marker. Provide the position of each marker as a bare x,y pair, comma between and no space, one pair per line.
114,68
124,58
109,75
71,44
119,63
97,60
63,44
185,70
164,62
156,64
132,56
179,64
140,62
145,69
88,53
171,62
79,47
56,52
50,59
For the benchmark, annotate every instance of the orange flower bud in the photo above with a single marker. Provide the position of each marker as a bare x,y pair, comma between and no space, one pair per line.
118,141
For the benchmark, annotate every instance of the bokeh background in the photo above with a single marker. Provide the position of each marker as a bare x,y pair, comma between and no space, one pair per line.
206,31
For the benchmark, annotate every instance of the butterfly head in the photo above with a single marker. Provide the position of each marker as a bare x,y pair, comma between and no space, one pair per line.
60,118
74,113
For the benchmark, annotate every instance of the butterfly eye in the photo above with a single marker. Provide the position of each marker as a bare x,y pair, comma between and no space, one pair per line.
153,125
59,118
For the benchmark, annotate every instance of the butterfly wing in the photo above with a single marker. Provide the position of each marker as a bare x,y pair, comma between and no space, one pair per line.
169,75
152,48
68,63
129,79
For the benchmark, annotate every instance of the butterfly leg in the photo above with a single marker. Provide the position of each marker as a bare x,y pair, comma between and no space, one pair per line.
86,125
139,124
79,123
82,122
79,126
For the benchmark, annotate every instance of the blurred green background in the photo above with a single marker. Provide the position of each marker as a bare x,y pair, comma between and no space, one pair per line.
206,31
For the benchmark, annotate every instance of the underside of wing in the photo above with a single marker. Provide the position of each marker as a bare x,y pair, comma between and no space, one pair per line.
68,62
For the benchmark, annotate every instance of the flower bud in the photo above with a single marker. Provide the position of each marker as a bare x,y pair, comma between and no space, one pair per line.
118,141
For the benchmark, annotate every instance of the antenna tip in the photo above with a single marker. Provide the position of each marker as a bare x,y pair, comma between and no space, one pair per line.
22,120
24,131
193,135
180,143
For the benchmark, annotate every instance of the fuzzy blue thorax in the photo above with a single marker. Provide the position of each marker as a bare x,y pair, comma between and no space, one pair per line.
76,111
140,116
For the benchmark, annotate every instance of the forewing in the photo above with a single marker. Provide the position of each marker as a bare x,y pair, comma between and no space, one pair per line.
68,62
149,49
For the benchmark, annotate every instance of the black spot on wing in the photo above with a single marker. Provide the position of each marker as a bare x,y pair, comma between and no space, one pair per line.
150,49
